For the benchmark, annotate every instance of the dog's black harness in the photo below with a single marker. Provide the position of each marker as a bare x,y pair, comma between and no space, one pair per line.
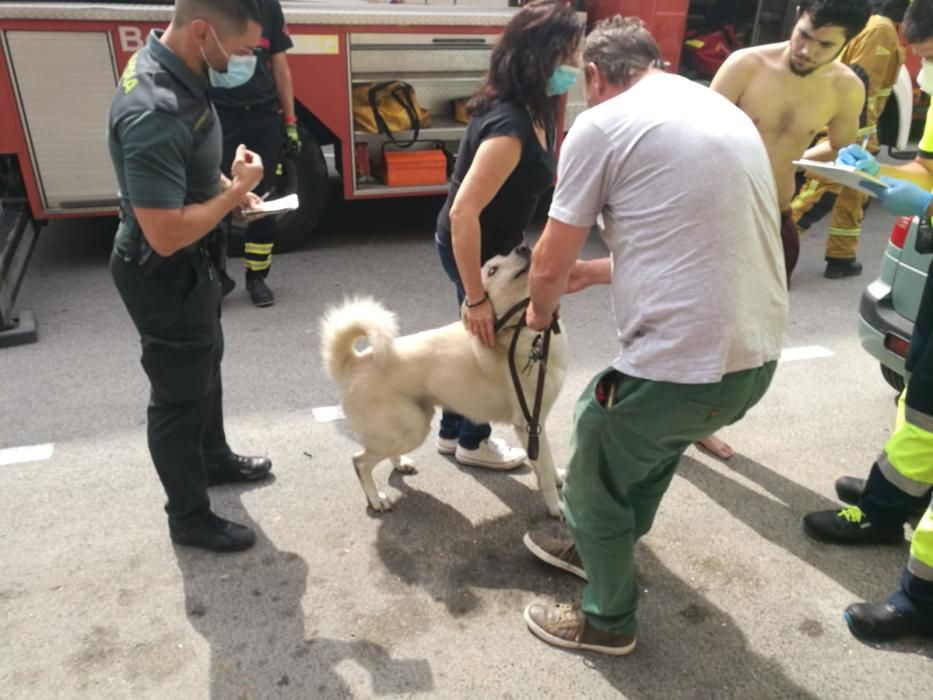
540,348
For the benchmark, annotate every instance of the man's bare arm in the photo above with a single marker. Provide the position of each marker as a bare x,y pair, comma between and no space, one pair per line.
843,129
169,230
732,77
586,273
553,259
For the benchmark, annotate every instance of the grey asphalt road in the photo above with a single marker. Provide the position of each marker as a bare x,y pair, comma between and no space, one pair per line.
336,602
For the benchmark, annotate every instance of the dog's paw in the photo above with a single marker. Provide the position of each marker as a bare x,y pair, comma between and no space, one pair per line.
560,475
404,465
382,504
557,512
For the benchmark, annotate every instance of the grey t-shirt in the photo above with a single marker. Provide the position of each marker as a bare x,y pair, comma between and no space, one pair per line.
686,191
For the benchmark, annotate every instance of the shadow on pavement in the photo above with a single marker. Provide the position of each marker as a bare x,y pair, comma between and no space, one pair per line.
248,607
870,573
429,544
689,648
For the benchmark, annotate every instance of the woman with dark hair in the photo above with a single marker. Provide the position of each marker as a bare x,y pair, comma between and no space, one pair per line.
505,162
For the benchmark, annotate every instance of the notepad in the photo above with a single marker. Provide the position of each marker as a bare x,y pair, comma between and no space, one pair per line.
274,206
847,175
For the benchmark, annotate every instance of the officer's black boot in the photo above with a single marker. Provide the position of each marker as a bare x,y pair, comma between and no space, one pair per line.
212,533
232,468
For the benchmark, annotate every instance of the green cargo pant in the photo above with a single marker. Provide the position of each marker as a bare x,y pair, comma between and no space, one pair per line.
623,459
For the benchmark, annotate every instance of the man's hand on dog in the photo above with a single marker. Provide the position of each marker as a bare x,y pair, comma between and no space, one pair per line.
480,321
537,321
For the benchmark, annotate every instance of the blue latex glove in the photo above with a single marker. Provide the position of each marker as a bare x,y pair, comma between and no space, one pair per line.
859,158
901,197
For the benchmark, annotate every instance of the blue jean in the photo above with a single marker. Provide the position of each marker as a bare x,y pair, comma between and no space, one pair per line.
469,435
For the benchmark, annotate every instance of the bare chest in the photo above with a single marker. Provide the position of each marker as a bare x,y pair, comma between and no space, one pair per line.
791,117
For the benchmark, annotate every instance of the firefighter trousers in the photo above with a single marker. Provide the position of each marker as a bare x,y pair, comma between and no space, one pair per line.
903,473
845,227
623,458
260,130
176,310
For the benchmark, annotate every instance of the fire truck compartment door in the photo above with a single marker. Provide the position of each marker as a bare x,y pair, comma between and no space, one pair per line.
64,82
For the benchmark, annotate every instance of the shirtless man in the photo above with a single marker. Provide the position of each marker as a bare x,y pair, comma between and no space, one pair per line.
796,89
792,91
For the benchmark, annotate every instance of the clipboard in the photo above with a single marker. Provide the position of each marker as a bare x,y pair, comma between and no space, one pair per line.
273,206
847,175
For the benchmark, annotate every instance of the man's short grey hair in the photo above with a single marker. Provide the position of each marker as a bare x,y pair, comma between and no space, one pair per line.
622,48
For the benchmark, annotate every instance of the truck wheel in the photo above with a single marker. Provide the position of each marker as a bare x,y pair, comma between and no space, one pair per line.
895,380
306,176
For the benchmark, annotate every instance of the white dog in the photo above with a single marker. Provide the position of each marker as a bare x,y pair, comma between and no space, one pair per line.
389,391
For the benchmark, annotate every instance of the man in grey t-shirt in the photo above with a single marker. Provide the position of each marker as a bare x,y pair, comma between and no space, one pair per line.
684,185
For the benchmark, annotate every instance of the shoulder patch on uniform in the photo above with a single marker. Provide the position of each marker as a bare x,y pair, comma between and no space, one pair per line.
882,51
128,80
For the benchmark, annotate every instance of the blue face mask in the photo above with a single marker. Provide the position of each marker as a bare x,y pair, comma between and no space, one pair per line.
239,68
561,80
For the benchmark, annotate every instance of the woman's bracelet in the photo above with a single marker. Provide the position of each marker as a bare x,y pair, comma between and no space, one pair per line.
478,303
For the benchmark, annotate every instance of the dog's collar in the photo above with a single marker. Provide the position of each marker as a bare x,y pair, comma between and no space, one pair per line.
502,320
520,307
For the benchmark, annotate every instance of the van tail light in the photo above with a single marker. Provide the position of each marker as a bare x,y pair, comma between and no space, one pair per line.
900,230
896,344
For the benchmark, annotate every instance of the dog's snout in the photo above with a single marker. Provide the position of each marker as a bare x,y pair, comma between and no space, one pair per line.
524,251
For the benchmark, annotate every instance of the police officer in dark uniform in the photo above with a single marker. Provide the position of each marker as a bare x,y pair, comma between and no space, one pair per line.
165,143
254,114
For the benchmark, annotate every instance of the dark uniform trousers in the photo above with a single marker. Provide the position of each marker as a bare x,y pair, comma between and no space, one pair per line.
176,310
260,130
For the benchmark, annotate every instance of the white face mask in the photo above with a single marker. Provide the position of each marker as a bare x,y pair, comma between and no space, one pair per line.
925,76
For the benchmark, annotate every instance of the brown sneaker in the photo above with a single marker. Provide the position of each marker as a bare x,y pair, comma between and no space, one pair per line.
556,551
566,626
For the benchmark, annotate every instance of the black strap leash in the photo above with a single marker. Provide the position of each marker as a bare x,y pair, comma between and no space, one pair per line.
540,349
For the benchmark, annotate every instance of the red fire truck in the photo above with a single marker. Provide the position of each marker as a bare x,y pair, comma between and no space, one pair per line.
60,62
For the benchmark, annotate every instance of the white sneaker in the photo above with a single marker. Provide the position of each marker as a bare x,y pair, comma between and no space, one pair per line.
446,446
492,453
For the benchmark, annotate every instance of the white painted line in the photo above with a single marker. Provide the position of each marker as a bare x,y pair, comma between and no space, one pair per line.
327,414
27,453
807,352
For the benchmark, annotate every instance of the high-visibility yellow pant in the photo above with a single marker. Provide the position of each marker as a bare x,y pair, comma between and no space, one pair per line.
848,212
907,463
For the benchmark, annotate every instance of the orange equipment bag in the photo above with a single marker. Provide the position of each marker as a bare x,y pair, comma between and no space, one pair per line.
411,168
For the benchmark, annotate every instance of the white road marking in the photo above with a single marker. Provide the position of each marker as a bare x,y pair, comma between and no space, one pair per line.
807,352
327,414
27,453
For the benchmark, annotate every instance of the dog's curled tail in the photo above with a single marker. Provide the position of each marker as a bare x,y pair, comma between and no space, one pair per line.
345,324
